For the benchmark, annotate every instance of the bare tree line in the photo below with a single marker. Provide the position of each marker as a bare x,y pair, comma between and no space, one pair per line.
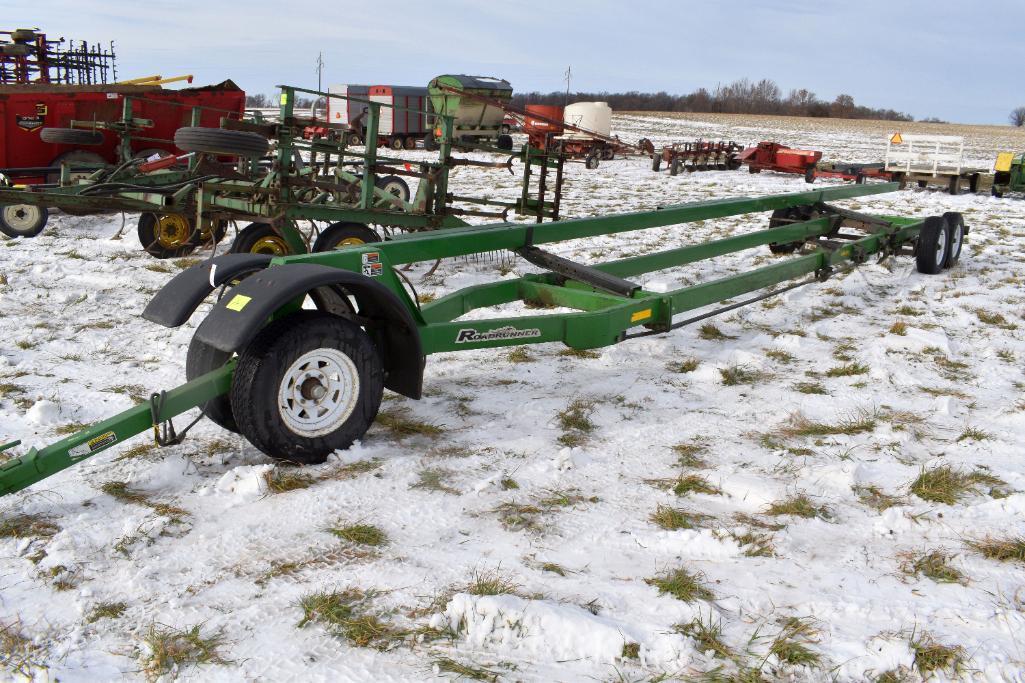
740,97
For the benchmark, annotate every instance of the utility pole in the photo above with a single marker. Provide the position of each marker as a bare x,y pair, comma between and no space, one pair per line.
567,75
320,72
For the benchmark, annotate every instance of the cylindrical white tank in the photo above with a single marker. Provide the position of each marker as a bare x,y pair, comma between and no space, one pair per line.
594,116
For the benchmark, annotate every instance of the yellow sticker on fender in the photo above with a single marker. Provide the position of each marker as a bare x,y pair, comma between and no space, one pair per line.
641,315
238,302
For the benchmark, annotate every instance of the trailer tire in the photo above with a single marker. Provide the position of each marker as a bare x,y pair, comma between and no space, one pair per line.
166,236
973,182
354,140
608,154
996,193
23,220
809,175
781,217
656,163
200,359
932,247
309,357
955,236
675,165
394,185
954,186
591,162
343,234
409,142
259,238
397,144
240,143
505,143
71,136
922,184
430,142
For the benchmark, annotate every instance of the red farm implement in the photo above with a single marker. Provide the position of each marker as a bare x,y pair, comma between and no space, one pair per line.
43,126
772,156
699,155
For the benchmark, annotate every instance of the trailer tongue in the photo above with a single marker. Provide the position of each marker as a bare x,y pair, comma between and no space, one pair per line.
301,383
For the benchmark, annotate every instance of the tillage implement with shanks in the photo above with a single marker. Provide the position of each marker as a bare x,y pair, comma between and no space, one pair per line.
281,183
297,350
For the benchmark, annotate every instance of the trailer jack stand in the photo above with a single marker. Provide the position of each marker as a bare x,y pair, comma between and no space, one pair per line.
163,432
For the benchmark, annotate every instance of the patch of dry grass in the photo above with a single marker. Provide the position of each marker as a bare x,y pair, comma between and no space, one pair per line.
168,649
682,585
1010,549
798,506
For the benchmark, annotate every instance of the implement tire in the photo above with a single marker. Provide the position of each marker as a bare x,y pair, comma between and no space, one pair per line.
344,234
166,236
71,136
393,185
259,238
23,220
307,385
219,141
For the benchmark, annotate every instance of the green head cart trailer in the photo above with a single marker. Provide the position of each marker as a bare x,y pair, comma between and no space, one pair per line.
475,121
301,382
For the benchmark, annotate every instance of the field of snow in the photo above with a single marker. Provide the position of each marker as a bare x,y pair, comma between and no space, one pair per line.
825,485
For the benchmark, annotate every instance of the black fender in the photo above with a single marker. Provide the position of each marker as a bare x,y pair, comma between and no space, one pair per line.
246,308
178,299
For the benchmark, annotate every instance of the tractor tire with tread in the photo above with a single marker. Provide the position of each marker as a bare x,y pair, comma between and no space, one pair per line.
71,136
220,141
309,357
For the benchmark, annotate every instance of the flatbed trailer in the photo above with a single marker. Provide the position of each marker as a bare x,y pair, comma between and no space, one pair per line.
300,384
930,160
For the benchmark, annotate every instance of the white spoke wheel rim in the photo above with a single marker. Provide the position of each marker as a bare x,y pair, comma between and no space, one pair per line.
21,217
318,392
395,189
941,247
955,240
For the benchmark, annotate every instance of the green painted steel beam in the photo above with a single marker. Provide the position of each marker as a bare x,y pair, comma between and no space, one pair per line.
671,258
411,248
20,472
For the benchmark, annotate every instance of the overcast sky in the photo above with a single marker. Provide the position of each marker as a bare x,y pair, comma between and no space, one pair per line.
960,61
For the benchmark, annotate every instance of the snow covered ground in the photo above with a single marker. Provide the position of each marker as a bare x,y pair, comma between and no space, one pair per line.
696,505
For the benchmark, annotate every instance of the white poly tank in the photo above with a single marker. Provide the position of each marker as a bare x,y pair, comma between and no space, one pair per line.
594,116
